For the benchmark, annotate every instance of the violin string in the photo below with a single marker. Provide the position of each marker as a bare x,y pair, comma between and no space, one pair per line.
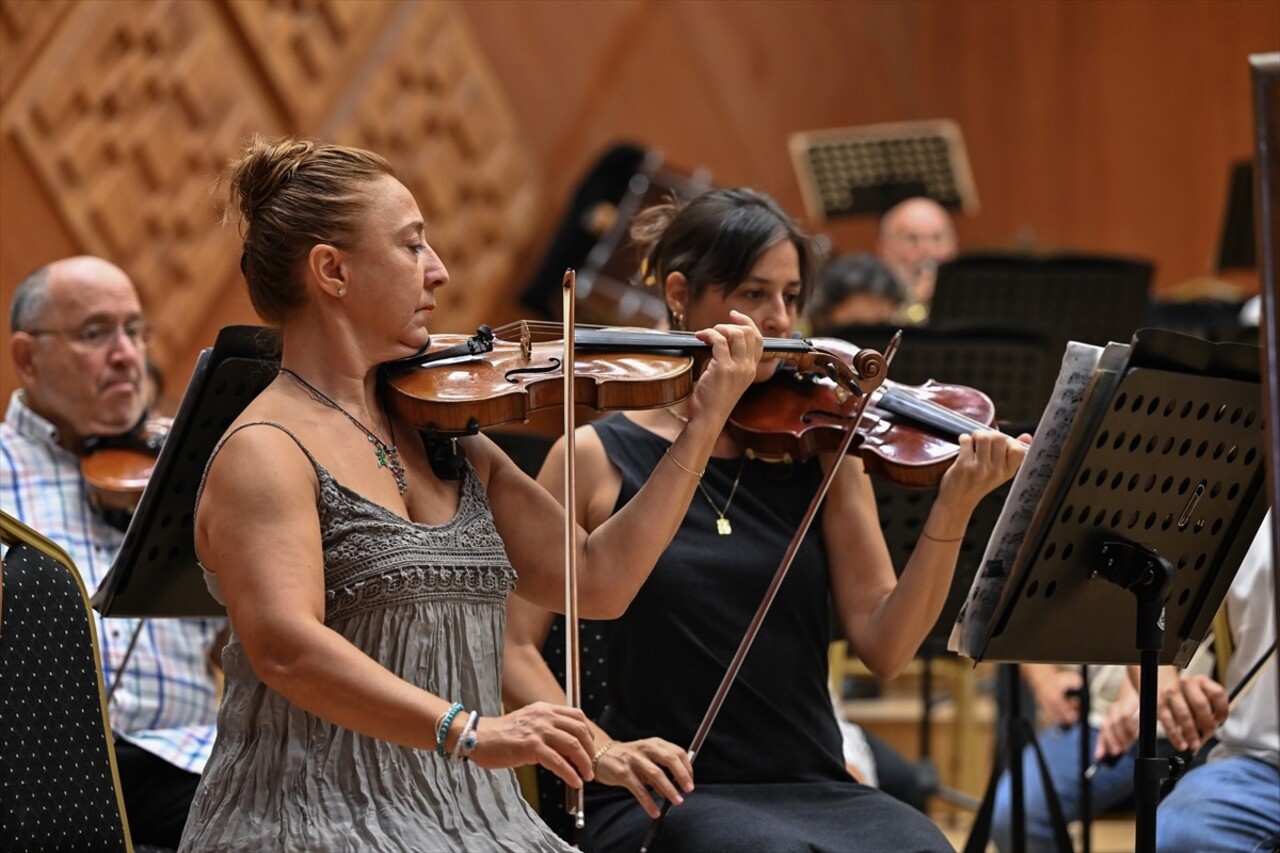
388,454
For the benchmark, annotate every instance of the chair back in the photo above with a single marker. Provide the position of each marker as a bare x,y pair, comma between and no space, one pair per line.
58,774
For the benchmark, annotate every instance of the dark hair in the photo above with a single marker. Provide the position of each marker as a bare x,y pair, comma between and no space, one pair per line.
29,299
845,275
716,238
290,195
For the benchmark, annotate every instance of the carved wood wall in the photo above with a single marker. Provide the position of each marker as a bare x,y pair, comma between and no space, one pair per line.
117,117
1094,126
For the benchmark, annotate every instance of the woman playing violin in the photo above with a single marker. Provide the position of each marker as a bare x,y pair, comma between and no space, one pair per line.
770,775
365,594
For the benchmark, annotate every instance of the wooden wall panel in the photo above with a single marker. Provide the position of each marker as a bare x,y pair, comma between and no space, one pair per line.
1106,127
121,115
1092,126
309,49
24,28
125,120
434,110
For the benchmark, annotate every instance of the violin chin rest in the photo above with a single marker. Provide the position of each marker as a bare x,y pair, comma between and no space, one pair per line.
446,456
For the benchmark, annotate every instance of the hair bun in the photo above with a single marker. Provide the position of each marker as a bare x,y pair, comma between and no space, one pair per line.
261,170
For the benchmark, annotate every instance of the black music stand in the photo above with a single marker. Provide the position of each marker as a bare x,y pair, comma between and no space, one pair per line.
1159,489
156,574
593,238
1071,297
866,170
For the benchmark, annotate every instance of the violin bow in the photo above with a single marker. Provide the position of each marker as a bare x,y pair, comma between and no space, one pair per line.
575,800
731,673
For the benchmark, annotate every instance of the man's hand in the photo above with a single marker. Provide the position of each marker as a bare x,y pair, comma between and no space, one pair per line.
1190,710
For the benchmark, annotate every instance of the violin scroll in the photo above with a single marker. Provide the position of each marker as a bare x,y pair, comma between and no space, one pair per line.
906,434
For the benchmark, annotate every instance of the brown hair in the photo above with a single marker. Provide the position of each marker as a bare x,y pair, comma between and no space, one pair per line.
716,239
289,195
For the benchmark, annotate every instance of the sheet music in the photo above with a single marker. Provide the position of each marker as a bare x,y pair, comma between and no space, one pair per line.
1074,381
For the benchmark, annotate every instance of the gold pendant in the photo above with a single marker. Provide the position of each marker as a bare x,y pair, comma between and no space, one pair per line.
723,527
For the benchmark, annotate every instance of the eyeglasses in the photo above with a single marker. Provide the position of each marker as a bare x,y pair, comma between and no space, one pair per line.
97,336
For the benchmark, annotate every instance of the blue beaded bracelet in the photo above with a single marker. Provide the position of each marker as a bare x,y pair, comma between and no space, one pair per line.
443,731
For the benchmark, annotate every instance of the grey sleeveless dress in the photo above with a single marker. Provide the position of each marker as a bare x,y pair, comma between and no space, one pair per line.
424,601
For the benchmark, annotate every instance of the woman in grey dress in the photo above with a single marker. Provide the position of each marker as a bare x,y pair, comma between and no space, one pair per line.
362,707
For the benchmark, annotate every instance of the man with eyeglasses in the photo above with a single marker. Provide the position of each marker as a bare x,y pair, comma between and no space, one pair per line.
79,345
916,236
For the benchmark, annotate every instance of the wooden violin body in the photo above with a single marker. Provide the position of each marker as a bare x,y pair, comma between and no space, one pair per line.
461,385
510,382
907,434
116,469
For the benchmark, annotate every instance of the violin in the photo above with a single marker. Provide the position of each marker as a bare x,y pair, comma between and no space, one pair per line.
116,468
461,385
907,434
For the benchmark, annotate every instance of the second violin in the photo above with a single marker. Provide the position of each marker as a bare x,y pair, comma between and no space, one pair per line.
907,434
116,468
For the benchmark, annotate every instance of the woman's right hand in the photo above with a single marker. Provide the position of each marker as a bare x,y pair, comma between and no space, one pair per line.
639,765
555,736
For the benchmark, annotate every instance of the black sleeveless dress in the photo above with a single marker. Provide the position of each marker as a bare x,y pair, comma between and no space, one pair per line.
771,774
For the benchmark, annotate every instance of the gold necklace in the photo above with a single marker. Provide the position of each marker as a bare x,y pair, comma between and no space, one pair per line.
723,527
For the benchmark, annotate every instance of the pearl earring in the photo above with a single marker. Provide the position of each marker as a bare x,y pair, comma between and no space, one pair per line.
342,291
677,320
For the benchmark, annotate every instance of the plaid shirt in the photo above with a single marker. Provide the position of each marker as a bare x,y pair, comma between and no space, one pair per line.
166,702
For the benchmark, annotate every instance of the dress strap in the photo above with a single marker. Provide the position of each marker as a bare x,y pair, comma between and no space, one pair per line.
218,447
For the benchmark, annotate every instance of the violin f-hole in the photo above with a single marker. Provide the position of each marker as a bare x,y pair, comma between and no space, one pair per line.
553,364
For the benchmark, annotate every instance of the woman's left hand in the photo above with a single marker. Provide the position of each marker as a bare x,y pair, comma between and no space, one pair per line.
639,765
736,349
987,459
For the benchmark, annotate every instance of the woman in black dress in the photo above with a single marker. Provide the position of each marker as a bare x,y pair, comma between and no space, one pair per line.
771,775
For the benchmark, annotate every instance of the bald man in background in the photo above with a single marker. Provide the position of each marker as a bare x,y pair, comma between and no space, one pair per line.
915,236
79,346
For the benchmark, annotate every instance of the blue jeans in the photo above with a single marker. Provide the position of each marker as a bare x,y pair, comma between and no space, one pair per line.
1110,787
1229,805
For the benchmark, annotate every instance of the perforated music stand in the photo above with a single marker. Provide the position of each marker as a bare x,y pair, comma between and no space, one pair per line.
1159,489
853,171
156,574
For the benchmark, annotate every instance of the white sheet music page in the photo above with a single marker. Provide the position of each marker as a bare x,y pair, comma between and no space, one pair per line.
969,634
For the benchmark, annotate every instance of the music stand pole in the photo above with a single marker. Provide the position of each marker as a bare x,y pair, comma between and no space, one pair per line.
1015,744
1149,577
1086,757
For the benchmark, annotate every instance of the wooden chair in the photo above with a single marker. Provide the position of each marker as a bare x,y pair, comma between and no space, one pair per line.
59,786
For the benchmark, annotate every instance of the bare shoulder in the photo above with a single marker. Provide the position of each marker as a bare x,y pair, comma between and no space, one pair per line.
257,472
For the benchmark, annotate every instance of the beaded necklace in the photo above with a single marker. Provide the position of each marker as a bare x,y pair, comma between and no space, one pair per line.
388,455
